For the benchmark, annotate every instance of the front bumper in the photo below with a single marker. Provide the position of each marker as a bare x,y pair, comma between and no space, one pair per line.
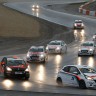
78,27
35,59
54,51
86,53
17,74
91,83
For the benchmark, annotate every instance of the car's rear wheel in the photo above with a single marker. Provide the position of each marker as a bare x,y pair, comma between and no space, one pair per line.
82,84
59,81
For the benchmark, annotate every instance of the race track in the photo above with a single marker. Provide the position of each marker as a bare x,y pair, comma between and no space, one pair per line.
43,75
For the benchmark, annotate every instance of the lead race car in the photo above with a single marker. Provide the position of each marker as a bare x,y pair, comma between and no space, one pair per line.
56,46
15,67
87,48
77,75
37,54
78,24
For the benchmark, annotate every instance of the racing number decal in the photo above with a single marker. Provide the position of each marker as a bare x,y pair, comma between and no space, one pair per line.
72,78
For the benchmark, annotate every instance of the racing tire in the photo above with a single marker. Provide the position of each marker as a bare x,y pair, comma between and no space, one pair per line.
79,55
82,84
59,81
26,78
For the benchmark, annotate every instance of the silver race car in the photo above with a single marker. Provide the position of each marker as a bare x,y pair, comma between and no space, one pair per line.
56,46
87,48
37,54
78,24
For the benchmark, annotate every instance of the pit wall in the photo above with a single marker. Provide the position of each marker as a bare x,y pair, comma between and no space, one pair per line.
87,12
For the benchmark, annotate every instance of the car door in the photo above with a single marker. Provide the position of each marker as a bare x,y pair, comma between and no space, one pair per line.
65,75
74,73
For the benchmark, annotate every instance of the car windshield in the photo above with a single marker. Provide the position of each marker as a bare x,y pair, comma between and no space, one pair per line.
36,50
15,62
87,44
87,70
54,43
78,22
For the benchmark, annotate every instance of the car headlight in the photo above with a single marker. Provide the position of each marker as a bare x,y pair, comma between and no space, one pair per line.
27,69
28,55
9,69
75,24
90,49
37,6
82,24
58,48
79,50
89,78
47,48
93,37
42,55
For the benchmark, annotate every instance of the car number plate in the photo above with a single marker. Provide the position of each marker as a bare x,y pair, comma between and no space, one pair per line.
18,72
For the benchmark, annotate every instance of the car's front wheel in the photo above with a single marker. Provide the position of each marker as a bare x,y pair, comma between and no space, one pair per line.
82,84
59,81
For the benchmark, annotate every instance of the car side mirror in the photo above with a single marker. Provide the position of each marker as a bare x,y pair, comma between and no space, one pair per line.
2,63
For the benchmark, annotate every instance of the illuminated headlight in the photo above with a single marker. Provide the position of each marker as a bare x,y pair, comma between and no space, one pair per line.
89,78
37,6
58,48
27,69
75,24
93,37
41,55
28,55
82,24
9,69
90,49
47,48
79,50
33,6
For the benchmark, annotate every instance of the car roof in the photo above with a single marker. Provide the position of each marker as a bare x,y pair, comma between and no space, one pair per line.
13,58
78,20
88,42
56,41
37,46
79,66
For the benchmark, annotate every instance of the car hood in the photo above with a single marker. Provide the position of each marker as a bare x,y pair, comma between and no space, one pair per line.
86,48
92,75
21,66
35,53
53,46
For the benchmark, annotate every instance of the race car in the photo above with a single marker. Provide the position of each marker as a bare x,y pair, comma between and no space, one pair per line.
15,67
94,37
87,48
81,76
35,6
56,46
37,54
78,24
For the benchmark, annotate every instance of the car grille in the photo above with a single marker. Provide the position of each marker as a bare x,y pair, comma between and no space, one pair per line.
34,57
51,49
84,51
18,69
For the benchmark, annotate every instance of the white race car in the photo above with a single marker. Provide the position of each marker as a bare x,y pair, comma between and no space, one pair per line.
77,75
56,46
37,54
78,24
87,48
